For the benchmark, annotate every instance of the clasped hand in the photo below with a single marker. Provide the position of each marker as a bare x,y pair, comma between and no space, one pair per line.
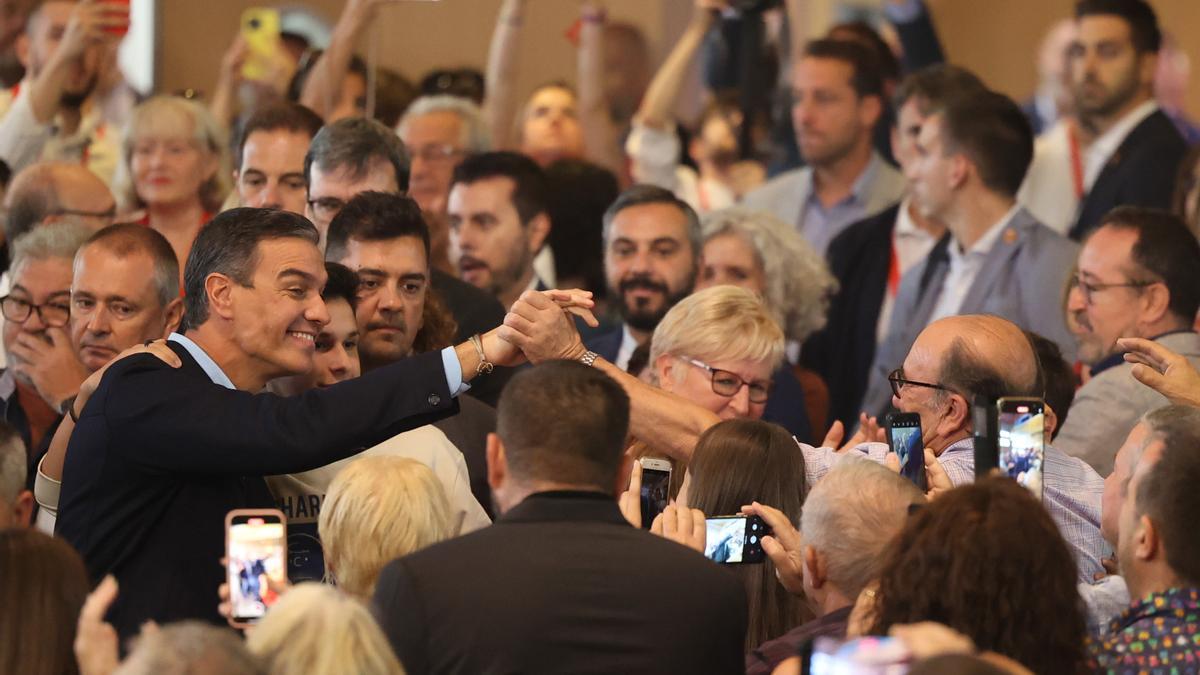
540,324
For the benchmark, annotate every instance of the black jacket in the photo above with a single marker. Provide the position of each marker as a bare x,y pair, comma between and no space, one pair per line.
160,455
562,584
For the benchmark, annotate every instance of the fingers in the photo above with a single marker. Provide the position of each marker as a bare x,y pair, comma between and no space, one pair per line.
585,314
631,507
1154,354
782,528
670,522
635,478
833,438
699,537
572,297
537,300
99,600
892,461
1149,376
163,352
938,479
657,526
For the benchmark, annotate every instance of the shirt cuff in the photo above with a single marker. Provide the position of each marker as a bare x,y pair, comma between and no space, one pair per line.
906,11
454,378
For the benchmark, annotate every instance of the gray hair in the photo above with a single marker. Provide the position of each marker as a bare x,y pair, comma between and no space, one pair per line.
799,284
476,137
55,240
852,517
640,195
13,469
190,647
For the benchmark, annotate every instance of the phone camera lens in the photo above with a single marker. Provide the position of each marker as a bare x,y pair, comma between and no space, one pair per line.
753,539
255,24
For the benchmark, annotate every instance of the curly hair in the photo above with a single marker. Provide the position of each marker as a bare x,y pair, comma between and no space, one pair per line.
986,560
799,284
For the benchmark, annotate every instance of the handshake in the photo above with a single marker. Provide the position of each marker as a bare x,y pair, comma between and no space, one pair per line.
539,327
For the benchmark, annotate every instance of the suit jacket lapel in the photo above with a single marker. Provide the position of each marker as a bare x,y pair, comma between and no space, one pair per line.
1003,250
799,195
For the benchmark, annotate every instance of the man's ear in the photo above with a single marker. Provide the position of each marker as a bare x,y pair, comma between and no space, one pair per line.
219,289
539,231
1147,544
497,463
23,509
814,567
870,109
960,171
662,368
956,417
1156,302
173,315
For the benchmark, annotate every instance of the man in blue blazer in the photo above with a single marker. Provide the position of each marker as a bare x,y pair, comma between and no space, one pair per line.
973,152
159,455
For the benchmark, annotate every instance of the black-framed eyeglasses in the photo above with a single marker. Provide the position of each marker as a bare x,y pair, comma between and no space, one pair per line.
726,383
326,208
56,312
1088,289
899,382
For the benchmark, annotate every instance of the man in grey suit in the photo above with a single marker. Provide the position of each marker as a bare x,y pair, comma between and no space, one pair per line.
973,152
837,94
1137,278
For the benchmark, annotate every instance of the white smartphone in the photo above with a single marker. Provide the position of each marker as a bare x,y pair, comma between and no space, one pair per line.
656,488
255,555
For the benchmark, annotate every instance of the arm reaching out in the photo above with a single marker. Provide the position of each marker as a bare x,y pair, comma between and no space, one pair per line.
323,86
1163,370
500,106
599,132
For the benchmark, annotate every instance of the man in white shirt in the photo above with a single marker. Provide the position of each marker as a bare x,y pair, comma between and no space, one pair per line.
972,154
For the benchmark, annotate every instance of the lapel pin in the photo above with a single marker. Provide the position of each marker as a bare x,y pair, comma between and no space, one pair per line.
1010,236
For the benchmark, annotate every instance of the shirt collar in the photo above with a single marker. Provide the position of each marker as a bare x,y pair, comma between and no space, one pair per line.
205,361
1109,141
860,192
1172,601
906,227
987,241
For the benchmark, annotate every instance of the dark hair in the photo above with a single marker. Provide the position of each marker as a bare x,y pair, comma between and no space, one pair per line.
1058,377
355,143
228,245
375,216
643,194
931,85
461,82
955,664
1165,249
281,116
987,560
1143,23
737,462
438,327
867,79
43,585
861,32
1167,492
579,192
126,239
586,441
993,132
342,284
530,195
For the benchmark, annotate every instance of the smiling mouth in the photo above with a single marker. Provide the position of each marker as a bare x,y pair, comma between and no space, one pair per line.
307,337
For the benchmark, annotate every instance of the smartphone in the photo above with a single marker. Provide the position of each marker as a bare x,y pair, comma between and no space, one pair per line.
656,487
260,31
983,422
734,540
904,438
255,554
1021,446
863,656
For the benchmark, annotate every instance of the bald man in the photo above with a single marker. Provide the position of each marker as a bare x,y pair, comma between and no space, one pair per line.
953,360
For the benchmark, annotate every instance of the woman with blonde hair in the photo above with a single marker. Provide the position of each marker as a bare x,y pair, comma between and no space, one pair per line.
377,509
174,170
319,630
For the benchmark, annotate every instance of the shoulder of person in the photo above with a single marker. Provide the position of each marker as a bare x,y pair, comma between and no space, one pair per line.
784,183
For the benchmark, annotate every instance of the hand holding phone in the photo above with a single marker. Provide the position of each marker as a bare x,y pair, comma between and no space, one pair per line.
1021,449
255,555
656,488
905,439
735,540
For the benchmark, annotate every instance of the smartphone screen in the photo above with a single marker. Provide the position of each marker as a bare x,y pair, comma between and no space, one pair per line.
904,437
656,486
1021,440
256,544
735,539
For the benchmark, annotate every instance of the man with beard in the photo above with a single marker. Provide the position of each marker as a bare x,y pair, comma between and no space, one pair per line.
1137,148
51,115
651,250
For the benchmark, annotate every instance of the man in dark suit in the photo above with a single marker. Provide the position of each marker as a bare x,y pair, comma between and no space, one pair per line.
1137,148
568,585
159,455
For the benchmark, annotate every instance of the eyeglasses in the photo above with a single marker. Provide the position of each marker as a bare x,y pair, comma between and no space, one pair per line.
1088,288
899,382
437,154
726,383
108,214
52,313
326,208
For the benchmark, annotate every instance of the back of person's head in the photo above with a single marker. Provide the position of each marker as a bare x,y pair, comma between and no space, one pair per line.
738,462
375,216
993,133
585,444
43,585
642,195
14,471
1167,493
579,192
36,194
316,629
56,240
799,285
529,193
1143,23
228,245
190,648
467,83
867,77
342,284
852,516
955,664
931,85
476,137
356,145
862,33
722,323
992,357
1166,249
377,509
129,239
1057,375
279,116
987,560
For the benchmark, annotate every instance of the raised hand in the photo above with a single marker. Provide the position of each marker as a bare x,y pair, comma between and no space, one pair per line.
1163,370
682,526
785,546
539,324
95,640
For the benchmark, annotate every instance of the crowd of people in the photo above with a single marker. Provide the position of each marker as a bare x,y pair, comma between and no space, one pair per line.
448,335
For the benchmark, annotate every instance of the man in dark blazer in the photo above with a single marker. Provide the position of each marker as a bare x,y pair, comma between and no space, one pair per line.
561,583
159,454
1137,148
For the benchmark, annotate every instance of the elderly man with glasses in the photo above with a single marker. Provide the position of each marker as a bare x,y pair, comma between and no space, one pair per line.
1137,278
